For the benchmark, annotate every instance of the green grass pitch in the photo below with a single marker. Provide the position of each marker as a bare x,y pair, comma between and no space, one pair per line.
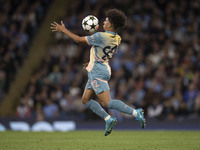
95,140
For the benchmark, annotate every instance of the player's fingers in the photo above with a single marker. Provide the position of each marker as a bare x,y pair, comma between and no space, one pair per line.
53,24
54,30
53,27
85,65
62,23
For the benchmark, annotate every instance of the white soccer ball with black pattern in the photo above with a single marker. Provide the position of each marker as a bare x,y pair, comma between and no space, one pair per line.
90,23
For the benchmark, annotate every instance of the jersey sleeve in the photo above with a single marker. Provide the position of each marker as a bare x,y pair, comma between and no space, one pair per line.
95,39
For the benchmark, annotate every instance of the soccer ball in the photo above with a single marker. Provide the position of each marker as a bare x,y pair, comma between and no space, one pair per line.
90,23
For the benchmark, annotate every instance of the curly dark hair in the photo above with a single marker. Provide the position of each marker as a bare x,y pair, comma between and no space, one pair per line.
117,18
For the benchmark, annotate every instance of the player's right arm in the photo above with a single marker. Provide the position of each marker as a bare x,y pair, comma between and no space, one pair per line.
95,39
61,28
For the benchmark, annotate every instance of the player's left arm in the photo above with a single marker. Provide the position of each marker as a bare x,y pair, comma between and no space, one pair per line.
61,28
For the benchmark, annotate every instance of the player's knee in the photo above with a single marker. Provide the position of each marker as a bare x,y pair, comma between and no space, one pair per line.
104,104
84,100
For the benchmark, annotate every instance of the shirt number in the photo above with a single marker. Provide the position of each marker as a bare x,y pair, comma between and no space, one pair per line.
108,52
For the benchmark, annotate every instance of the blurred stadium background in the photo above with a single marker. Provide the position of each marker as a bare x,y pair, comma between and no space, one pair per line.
157,66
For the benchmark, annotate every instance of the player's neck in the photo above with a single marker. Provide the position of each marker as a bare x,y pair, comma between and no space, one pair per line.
111,30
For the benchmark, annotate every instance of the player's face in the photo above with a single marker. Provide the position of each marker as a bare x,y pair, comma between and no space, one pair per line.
106,25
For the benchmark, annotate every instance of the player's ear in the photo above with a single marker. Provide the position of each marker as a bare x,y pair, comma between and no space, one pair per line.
111,26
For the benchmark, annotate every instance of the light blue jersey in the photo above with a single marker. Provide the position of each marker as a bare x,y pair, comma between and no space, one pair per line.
104,45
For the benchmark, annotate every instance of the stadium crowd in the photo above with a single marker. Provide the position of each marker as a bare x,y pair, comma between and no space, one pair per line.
19,21
157,66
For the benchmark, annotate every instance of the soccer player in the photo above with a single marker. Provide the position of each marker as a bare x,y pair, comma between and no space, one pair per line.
104,45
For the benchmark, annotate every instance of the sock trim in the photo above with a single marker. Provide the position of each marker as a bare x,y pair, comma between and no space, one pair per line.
134,113
107,118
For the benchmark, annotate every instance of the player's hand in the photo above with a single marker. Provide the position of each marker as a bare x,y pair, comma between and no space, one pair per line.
57,27
85,65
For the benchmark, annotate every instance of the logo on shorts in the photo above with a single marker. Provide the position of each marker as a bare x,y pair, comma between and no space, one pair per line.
94,85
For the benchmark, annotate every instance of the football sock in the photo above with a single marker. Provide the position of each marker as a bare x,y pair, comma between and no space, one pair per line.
97,109
122,107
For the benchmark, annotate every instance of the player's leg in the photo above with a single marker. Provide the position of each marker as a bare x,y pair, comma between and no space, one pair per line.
106,101
121,106
105,98
93,105
87,95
